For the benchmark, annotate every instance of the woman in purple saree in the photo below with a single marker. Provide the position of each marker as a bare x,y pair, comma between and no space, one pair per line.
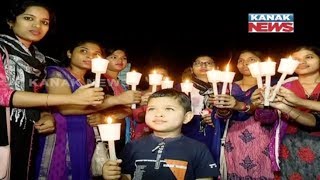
67,153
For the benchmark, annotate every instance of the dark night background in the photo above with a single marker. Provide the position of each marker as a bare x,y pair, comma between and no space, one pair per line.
173,33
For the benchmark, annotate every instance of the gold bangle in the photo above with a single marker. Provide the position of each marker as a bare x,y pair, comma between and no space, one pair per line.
47,100
248,108
297,117
223,113
289,111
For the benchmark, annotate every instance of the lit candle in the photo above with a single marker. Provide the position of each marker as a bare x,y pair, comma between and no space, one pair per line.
154,80
166,83
214,76
99,66
287,67
226,78
133,79
255,72
110,132
186,86
268,69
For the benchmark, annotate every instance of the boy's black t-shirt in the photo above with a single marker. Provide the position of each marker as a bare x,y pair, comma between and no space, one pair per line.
178,158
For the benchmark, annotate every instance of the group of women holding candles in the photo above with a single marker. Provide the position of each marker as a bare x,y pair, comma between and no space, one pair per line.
253,131
74,130
250,131
255,136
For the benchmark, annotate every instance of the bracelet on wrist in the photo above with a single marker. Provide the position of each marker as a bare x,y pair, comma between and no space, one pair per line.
289,111
246,107
47,104
296,117
223,113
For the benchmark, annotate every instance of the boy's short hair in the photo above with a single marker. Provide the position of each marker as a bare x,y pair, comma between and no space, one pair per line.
182,98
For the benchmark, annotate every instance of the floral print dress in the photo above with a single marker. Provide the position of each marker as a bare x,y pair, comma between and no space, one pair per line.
300,150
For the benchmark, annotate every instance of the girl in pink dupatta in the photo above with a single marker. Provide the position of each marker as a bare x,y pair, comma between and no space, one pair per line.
6,92
113,86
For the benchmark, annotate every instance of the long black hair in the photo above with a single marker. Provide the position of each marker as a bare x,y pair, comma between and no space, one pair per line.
19,7
72,44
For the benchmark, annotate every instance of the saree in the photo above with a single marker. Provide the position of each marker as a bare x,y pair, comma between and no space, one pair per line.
66,154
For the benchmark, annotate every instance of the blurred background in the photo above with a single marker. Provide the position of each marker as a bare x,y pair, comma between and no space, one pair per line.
172,34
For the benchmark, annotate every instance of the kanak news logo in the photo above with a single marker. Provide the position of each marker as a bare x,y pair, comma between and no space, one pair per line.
271,23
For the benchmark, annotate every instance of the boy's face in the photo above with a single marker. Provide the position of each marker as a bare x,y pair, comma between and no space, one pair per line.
165,116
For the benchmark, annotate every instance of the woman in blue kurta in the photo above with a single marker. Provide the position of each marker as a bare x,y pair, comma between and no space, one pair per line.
201,126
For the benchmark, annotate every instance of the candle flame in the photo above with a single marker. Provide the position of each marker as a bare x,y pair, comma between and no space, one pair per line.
133,71
166,79
154,72
227,67
186,81
109,120
290,57
269,59
96,58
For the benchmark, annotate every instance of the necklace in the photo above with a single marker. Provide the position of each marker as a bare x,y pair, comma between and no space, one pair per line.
79,78
306,93
308,88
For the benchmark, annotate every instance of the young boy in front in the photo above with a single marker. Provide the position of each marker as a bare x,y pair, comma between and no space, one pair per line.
165,154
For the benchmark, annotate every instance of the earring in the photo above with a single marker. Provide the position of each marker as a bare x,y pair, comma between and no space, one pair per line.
10,26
